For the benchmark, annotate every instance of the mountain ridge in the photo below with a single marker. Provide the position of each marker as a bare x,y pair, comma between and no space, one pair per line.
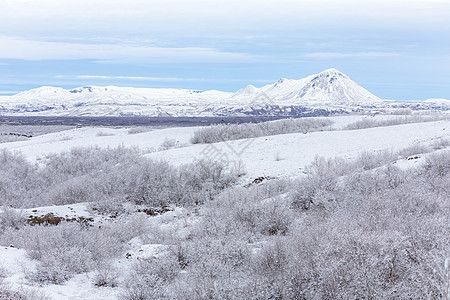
327,92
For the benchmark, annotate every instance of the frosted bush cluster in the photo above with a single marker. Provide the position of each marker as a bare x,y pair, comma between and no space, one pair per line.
362,229
9,292
370,122
11,138
343,232
104,177
227,132
220,133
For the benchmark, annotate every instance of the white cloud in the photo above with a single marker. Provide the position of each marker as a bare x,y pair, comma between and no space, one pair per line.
331,55
9,92
143,78
26,49
160,79
214,9
178,18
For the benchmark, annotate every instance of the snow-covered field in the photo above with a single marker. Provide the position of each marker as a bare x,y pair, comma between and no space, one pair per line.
39,146
275,157
287,155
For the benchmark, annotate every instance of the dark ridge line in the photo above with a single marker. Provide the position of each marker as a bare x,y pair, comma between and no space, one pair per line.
131,121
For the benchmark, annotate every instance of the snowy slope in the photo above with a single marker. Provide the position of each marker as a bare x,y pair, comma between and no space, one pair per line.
288,154
280,155
40,146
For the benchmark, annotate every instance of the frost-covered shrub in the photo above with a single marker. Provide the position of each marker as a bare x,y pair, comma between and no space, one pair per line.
154,184
329,168
437,164
107,177
106,275
413,150
274,187
215,269
169,144
436,172
81,161
221,132
440,143
362,124
369,160
11,218
248,211
89,174
8,138
112,205
59,265
371,246
20,183
203,179
211,280
134,225
137,130
333,166
366,183
370,123
402,111
273,266
318,187
103,133
385,236
64,250
159,184
311,193
75,190
149,279
10,292
393,176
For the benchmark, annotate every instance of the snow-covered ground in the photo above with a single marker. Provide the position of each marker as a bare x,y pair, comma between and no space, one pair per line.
287,155
276,156
57,142
16,263
283,155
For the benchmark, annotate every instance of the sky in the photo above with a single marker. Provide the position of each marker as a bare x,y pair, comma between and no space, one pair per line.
396,49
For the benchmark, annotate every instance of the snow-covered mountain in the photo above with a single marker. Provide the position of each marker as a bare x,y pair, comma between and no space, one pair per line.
110,101
442,102
328,92
330,86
